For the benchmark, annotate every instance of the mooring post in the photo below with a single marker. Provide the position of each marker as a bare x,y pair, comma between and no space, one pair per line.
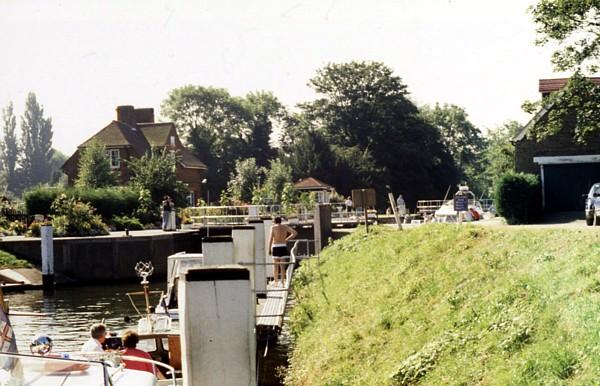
47,256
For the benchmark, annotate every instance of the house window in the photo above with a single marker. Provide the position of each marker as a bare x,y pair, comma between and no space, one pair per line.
172,140
114,158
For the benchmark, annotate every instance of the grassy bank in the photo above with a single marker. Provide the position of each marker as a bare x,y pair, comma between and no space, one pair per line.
441,305
8,260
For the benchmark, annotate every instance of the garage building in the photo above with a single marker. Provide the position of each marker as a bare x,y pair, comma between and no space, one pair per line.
567,169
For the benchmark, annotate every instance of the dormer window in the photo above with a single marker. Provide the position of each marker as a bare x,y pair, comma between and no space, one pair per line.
114,158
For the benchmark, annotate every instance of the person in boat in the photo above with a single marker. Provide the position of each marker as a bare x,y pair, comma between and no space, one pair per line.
130,340
280,235
97,339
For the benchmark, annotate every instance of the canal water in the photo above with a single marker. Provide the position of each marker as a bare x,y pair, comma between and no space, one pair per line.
71,312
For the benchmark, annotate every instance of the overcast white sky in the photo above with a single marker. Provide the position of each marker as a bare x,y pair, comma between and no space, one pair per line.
83,58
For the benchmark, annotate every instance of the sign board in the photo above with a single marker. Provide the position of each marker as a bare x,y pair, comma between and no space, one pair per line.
364,198
461,203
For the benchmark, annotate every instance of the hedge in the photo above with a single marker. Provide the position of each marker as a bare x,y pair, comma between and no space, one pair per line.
109,202
518,198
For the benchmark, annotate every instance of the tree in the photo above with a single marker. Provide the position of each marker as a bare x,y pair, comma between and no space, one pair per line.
500,153
94,167
9,150
574,27
462,139
264,110
277,177
36,144
244,180
155,172
363,105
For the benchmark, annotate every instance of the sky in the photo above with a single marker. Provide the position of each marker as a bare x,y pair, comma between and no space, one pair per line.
84,58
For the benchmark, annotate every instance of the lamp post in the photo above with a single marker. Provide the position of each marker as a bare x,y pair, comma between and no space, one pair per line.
204,183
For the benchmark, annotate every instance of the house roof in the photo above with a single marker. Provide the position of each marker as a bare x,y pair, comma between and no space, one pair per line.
119,134
311,183
551,85
189,160
157,134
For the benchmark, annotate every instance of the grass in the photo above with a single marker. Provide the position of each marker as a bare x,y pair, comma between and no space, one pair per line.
8,260
446,305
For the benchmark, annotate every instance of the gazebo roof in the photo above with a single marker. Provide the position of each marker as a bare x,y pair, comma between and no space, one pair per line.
311,183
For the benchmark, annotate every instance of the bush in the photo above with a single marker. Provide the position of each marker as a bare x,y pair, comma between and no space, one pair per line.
17,228
76,218
109,202
34,229
518,198
123,222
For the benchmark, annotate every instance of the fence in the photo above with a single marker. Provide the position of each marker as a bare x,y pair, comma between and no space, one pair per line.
16,215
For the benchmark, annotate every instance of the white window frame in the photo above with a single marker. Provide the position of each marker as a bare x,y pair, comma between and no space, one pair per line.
172,140
114,158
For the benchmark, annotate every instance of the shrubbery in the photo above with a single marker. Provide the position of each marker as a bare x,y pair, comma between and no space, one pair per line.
76,218
518,198
109,202
121,223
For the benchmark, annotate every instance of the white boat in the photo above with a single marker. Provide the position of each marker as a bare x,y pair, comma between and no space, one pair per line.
447,213
38,370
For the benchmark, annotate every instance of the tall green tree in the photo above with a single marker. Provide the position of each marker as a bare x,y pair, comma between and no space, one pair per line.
222,129
463,140
36,144
94,167
365,106
573,26
9,149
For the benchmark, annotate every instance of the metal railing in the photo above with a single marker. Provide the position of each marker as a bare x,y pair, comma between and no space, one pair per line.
428,207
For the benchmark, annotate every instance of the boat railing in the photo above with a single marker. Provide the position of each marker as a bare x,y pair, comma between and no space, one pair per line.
428,207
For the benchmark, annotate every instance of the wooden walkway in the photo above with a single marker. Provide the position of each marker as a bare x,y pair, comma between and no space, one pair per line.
269,319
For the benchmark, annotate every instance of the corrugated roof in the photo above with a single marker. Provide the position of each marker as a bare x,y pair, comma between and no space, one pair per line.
311,183
157,134
119,134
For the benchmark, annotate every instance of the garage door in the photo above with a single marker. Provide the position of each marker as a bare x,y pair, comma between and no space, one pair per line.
564,185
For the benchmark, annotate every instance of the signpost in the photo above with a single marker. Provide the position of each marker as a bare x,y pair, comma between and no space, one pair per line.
364,198
461,204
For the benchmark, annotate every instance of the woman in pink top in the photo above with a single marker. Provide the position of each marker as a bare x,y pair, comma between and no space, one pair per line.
130,341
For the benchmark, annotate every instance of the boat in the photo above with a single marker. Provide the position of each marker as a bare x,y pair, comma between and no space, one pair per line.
447,212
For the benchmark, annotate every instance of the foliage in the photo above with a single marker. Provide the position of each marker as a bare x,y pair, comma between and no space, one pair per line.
34,229
448,305
462,139
155,172
108,201
223,129
573,26
277,176
243,181
35,149
575,110
364,123
120,223
75,218
518,198
17,228
499,154
94,167
9,150
8,260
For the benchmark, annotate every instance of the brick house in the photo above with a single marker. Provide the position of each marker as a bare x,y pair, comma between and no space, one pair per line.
132,135
567,169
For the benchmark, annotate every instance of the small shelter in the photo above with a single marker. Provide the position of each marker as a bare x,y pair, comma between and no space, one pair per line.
311,184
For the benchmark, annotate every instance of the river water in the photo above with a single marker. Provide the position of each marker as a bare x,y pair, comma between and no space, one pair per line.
73,310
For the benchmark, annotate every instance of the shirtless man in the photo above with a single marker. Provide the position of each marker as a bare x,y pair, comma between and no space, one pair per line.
280,235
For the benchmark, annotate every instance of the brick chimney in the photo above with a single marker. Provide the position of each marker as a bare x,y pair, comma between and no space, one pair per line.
145,115
126,114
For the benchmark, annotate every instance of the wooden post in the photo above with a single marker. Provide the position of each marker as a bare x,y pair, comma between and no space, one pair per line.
395,209
364,200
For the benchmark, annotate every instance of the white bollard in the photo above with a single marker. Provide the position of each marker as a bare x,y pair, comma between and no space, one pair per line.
260,273
47,256
217,319
243,249
217,250
268,258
